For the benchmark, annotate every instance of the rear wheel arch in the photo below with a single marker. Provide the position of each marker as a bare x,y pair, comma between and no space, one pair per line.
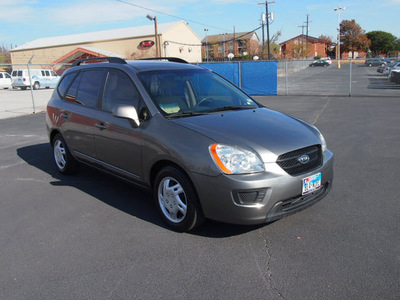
53,134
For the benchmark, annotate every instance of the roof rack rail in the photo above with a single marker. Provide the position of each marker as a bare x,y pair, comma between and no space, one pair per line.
171,59
116,60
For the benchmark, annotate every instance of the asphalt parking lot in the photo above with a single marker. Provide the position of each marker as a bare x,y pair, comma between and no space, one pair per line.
91,236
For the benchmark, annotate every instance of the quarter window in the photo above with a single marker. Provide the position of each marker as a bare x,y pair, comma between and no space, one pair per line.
64,84
73,90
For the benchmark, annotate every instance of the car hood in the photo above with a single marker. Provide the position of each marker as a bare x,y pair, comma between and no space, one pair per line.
268,132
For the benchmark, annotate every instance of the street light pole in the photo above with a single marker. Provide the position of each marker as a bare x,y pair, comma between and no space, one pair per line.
338,39
158,54
206,31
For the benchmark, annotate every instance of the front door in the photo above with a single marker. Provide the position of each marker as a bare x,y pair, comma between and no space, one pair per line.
118,144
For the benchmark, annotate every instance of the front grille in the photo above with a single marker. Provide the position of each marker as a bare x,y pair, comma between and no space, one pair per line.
291,164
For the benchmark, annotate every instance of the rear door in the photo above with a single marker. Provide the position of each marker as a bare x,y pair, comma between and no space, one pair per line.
79,112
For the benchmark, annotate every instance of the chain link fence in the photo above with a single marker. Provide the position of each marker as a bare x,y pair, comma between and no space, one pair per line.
341,78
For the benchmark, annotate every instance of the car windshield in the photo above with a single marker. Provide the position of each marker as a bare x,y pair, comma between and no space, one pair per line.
182,93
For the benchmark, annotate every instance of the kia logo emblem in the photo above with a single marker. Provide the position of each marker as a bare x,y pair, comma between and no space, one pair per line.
304,159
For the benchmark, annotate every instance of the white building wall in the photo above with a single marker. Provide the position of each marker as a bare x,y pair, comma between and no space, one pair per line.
181,41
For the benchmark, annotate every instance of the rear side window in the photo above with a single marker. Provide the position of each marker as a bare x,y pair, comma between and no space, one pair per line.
47,73
90,87
42,73
1,75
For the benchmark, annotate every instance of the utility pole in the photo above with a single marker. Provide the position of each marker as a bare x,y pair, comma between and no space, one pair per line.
263,18
267,18
302,39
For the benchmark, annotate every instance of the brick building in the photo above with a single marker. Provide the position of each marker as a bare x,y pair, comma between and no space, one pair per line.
303,46
239,44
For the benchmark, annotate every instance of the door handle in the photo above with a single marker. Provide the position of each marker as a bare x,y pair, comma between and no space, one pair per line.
101,126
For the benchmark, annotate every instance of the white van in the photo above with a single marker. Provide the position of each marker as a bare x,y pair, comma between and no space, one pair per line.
5,80
40,78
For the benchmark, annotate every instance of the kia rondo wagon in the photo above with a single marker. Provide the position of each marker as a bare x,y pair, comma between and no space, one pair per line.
204,147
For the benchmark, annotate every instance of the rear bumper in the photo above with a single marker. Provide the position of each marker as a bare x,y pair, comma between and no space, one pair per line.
260,198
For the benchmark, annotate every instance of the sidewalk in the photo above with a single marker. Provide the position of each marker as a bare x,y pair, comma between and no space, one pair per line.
14,103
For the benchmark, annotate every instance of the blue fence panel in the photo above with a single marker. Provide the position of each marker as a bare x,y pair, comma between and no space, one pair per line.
255,78
229,71
260,78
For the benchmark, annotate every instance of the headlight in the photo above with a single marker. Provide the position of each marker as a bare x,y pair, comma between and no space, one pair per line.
235,160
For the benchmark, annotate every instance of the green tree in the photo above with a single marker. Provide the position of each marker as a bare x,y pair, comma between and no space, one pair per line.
327,40
382,42
353,37
274,46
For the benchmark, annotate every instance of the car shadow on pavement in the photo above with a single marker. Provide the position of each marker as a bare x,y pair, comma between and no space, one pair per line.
117,193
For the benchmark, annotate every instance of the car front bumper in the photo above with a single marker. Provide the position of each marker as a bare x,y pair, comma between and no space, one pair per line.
260,198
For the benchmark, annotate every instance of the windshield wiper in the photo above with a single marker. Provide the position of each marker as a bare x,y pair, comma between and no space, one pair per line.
186,114
231,107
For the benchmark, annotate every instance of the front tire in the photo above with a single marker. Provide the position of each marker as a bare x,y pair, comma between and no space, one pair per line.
64,161
176,200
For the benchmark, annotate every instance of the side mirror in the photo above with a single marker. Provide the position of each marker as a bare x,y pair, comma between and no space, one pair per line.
127,112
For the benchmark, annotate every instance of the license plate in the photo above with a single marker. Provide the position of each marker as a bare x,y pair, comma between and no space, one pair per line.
311,184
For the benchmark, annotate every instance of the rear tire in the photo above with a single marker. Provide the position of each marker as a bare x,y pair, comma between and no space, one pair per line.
64,161
176,200
36,85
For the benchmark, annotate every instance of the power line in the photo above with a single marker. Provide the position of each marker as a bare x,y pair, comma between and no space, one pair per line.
169,15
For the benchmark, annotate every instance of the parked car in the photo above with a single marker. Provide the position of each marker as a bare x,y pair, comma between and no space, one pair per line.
40,78
381,68
327,59
5,80
374,62
395,76
320,63
391,67
205,148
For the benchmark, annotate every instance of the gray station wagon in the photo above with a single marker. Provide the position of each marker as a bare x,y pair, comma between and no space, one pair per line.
205,148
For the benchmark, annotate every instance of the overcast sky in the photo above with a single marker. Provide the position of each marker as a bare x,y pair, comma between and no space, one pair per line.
22,21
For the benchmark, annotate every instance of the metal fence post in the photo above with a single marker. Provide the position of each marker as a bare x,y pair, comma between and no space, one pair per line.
286,78
30,82
240,75
351,71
